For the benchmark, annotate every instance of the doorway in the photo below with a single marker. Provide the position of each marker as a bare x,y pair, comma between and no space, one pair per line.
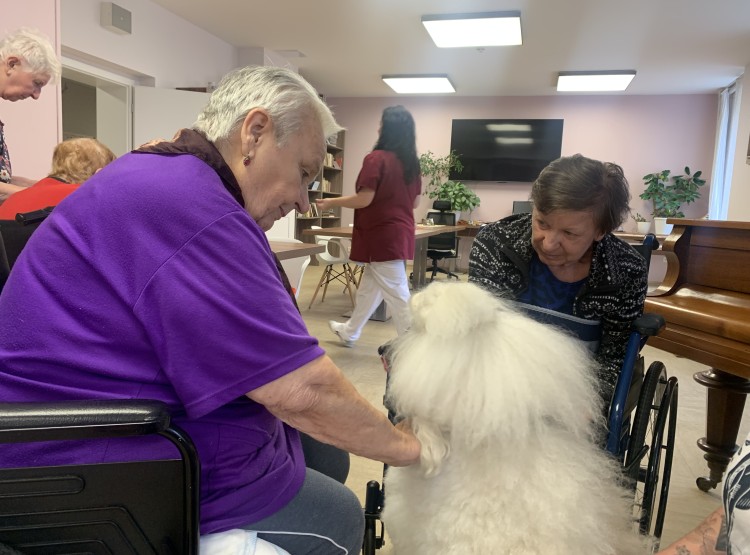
93,106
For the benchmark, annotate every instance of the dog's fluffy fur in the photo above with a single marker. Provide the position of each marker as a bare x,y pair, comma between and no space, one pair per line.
506,411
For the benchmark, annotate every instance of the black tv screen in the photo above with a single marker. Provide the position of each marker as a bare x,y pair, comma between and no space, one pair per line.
503,150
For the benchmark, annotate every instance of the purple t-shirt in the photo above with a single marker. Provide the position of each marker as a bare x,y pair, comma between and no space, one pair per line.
152,282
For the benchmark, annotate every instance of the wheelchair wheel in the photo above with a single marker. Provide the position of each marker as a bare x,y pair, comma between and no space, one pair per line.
650,395
655,413
658,473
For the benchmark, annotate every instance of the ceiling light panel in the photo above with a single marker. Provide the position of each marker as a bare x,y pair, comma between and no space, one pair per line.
474,30
419,84
594,81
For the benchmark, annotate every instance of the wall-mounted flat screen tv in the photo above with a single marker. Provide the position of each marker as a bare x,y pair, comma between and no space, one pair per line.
502,150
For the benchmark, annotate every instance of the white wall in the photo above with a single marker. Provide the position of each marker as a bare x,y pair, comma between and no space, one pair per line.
739,196
173,51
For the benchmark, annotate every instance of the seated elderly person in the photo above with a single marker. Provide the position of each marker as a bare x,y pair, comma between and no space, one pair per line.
73,162
158,282
563,263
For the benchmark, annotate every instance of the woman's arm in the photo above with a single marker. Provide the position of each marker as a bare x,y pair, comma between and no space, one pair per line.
7,189
22,182
703,540
317,399
360,200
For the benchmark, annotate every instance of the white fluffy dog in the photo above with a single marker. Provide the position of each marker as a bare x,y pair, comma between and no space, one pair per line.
505,408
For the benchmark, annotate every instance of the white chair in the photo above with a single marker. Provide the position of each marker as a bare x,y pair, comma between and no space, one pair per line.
294,267
330,258
358,268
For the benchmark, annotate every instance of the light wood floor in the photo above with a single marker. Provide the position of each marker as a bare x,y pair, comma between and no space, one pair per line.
687,504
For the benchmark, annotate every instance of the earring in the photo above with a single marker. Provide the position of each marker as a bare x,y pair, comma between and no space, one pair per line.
246,160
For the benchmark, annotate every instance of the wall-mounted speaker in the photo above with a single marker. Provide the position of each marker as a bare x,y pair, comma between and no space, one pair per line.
116,18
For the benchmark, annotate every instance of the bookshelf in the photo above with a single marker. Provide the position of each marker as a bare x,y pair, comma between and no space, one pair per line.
329,183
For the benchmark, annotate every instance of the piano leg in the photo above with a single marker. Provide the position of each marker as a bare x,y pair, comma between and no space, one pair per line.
725,403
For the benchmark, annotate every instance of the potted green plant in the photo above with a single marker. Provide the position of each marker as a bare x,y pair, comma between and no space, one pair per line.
437,169
642,225
669,192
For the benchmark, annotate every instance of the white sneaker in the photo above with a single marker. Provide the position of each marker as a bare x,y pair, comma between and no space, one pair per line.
337,327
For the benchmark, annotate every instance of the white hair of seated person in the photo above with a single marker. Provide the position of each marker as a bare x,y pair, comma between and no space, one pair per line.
35,49
283,93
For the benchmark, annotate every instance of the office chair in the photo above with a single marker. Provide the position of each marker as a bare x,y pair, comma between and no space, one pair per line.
331,257
522,207
444,245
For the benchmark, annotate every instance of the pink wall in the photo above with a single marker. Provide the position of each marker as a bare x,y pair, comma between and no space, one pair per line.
33,127
641,133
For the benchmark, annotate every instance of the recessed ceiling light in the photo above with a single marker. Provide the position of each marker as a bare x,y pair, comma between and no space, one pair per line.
594,81
475,30
419,84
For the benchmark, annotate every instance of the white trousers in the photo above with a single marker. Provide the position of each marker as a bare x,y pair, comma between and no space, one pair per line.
381,281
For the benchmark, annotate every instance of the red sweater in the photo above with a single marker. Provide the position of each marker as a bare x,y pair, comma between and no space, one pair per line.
46,192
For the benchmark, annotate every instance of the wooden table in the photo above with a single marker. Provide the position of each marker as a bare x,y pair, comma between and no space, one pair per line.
421,233
637,237
285,250
471,230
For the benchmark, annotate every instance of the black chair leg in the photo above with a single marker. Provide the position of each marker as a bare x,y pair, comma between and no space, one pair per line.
434,269
448,273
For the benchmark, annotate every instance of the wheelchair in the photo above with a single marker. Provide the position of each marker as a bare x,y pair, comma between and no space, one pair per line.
641,427
143,507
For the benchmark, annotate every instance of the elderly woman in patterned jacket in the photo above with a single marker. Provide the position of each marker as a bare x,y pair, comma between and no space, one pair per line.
563,264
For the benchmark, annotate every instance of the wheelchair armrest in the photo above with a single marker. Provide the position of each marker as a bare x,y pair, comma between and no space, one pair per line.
26,218
651,241
649,324
65,420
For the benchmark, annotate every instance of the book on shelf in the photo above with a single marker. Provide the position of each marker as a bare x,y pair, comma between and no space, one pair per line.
315,185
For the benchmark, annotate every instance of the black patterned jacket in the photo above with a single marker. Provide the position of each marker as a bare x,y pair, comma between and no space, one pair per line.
614,292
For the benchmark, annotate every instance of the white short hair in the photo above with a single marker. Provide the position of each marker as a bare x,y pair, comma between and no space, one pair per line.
35,49
287,97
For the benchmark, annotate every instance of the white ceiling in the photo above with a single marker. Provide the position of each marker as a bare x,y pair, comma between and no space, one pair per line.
676,46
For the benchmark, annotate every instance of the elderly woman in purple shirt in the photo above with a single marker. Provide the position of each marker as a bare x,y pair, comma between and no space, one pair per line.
155,280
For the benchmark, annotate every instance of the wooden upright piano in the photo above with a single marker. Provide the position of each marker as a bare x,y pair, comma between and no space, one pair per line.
705,300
